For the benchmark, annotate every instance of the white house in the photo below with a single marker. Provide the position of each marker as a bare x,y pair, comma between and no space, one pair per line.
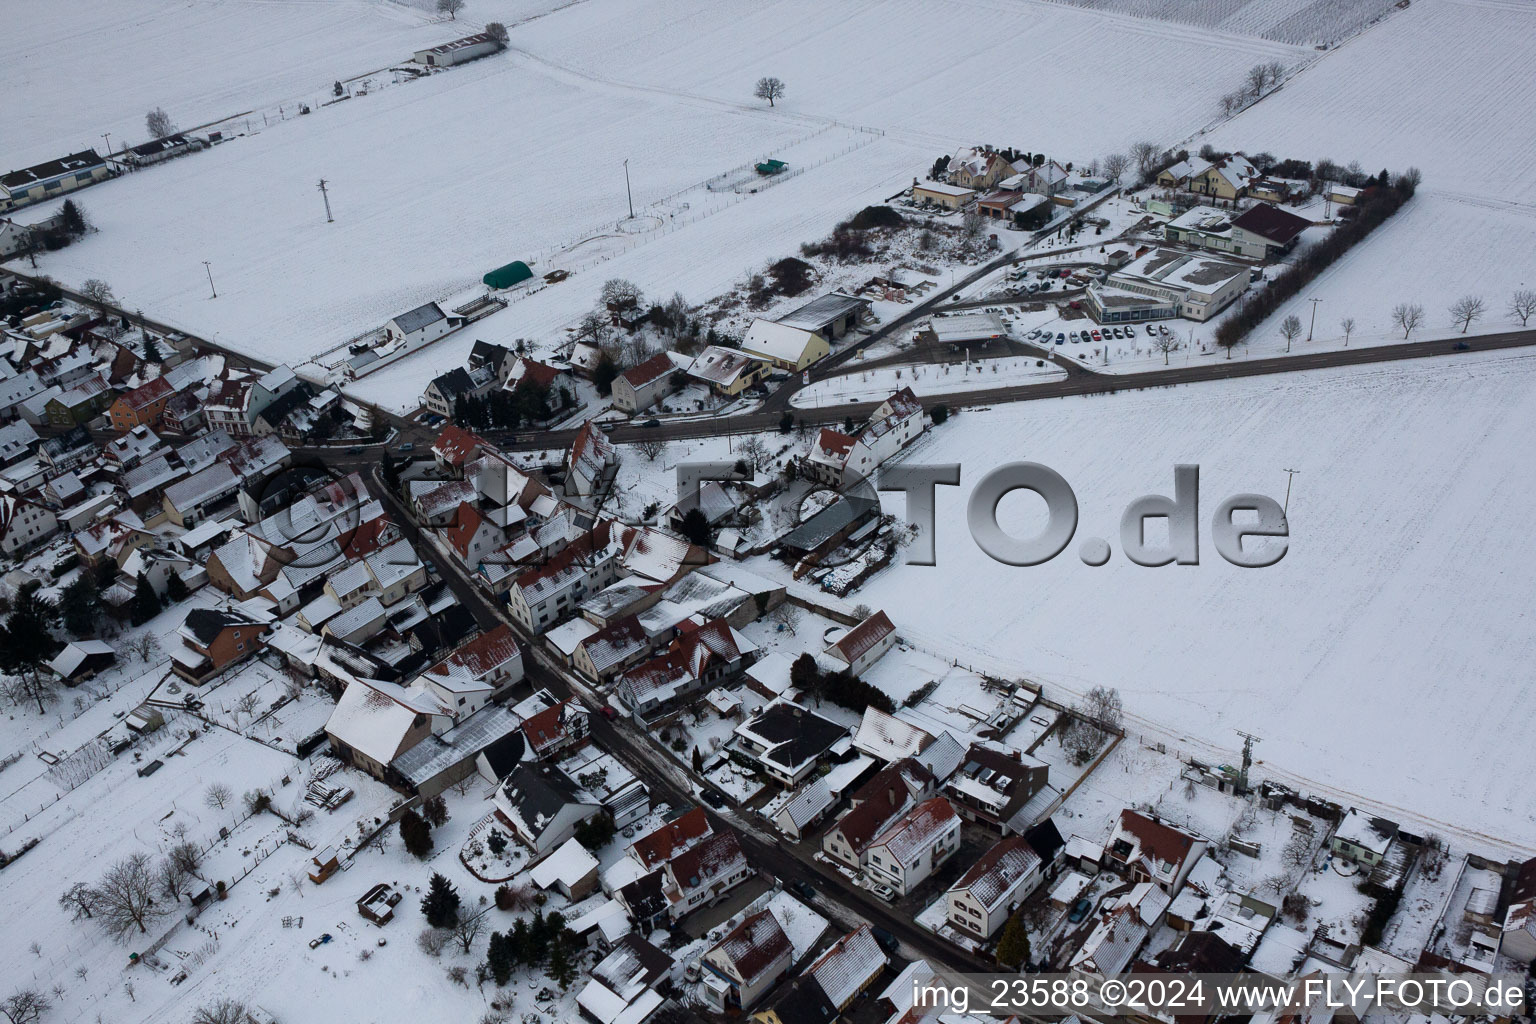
591,462
24,523
1153,851
791,348
542,806
914,845
987,894
864,644
745,964
839,459
642,385
424,323
703,873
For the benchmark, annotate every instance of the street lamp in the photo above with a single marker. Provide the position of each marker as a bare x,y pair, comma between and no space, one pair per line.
1314,317
211,288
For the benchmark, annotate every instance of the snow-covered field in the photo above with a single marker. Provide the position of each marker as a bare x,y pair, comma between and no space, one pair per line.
926,68
1443,86
1408,554
104,65
1296,21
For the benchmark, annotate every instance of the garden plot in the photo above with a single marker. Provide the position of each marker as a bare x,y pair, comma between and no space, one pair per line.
1443,86
1405,559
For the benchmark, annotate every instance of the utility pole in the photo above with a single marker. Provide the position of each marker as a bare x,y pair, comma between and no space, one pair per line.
107,137
211,288
627,192
327,197
1290,474
1314,317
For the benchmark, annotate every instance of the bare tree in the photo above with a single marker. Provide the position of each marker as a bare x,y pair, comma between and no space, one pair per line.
651,448
619,291
971,223
98,294
594,328
1274,71
754,452
1522,305
498,33
1467,310
78,900
158,123
146,646
787,616
247,703
1145,155
1409,316
187,855
1258,78
1347,325
1115,165
1410,179
221,1011
1290,328
468,930
171,878
217,795
1165,343
125,897
24,1006
1298,850
450,8
1102,706
769,88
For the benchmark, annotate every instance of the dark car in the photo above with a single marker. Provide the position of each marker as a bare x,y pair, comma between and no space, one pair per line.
803,890
608,712
356,449
712,798
1461,346
886,939
651,423
1080,910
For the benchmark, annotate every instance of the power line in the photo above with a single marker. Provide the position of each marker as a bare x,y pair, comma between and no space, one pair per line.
327,197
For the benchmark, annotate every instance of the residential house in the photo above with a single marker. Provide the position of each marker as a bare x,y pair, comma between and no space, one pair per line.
417,326
1049,179
542,806
544,378
749,961
1362,839
977,168
1267,232
16,390
785,346
703,873
840,459
1125,920
643,385
863,645
698,658
621,989
477,672
212,640
1343,195
24,524
942,194
51,178
142,406
914,845
79,403
444,391
802,1001
612,649
804,809
456,448
540,597
1002,789
785,741
556,730
570,870
887,738
831,316
188,501
993,888
727,371
848,967
591,462
1179,175
1227,178
1147,850
875,806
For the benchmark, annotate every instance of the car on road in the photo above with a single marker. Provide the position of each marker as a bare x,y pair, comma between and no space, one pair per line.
886,939
607,712
651,423
885,892
1033,334
1080,910
712,798
356,449
803,889
408,447
1461,346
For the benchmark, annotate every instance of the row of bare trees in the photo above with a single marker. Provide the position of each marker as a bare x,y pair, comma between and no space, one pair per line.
1261,79
135,890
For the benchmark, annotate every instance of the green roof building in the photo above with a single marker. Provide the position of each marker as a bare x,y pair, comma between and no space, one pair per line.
513,273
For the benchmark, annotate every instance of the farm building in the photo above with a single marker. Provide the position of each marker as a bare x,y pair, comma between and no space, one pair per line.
459,51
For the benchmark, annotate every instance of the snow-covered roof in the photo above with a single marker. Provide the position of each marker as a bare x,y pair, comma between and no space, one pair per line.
776,341
567,866
887,737
852,962
1000,872
915,832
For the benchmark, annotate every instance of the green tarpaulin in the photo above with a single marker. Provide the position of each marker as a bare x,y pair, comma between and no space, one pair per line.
513,273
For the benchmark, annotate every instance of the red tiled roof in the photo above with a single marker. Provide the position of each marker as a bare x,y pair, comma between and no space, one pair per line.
755,945
485,653
535,372
653,369
834,442
147,394
661,845
548,728
1158,841
858,640
462,530
456,445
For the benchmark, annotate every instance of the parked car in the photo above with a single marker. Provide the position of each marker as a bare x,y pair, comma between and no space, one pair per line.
1162,329
712,798
409,446
1097,336
803,889
1151,331
885,892
651,423
1080,910
1461,346
356,449
1033,334
1065,273
1060,338
886,939
608,712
